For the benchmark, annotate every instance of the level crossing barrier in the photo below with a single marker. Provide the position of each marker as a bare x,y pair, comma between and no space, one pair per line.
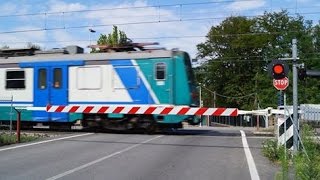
143,109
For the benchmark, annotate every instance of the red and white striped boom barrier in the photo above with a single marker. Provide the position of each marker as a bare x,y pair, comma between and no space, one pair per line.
143,109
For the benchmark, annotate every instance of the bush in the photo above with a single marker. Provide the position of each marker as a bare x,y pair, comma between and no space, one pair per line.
271,150
307,164
277,154
305,161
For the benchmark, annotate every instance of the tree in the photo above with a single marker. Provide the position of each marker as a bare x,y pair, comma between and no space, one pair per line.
114,39
33,46
233,54
239,50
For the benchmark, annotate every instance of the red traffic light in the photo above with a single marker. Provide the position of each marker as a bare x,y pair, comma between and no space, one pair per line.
278,69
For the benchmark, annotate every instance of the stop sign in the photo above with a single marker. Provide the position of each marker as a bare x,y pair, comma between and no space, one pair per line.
281,84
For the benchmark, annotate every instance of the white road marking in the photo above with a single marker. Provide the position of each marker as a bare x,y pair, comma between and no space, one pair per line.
42,142
252,166
100,159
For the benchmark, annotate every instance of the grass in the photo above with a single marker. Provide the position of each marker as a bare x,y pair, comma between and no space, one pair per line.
6,139
304,164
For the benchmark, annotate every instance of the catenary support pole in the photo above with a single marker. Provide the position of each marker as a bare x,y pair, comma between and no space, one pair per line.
295,96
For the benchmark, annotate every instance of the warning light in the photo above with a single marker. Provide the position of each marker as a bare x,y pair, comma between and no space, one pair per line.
302,73
278,69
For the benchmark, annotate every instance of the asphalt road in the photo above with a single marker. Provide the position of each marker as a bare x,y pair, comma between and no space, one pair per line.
186,154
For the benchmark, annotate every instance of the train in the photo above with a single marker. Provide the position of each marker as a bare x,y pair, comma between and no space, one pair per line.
69,76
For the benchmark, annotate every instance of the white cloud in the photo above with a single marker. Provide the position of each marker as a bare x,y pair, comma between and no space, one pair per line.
20,40
61,6
304,1
8,8
140,28
145,24
246,5
65,38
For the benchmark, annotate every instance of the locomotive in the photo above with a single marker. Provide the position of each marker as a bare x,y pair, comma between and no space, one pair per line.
68,76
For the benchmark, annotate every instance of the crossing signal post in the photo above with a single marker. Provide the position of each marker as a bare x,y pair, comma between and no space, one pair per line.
278,70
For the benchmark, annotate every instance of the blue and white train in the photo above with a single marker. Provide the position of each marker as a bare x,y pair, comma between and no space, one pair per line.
68,76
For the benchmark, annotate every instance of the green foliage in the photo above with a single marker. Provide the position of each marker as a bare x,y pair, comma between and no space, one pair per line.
278,154
307,164
6,139
239,50
116,38
272,151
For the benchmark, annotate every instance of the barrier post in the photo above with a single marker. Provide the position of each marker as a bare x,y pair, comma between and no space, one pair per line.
258,122
11,108
18,124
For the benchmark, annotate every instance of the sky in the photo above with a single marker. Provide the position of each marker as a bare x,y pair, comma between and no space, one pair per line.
180,24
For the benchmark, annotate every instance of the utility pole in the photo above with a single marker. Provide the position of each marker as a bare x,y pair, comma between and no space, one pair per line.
214,98
278,69
295,96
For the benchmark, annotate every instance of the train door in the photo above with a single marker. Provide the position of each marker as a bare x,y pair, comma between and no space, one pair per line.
162,85
50,87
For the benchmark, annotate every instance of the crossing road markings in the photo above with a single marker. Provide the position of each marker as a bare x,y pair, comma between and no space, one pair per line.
101,159
42,142
252,166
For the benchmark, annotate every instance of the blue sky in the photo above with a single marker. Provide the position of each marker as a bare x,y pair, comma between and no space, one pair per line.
174,24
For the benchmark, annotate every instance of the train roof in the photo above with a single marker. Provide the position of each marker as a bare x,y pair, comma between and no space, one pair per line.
89,56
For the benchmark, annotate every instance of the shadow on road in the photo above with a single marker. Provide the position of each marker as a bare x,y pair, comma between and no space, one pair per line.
196,132
161,144
192,133
181,132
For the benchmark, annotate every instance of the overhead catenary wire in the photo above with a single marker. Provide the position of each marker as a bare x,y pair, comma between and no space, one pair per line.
124,8
233,97
136,23
127,23
236,97
149,6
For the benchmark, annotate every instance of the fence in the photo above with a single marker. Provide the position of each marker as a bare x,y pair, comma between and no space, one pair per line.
310,112
241,120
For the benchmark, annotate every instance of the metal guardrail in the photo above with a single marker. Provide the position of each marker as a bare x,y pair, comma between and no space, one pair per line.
265,117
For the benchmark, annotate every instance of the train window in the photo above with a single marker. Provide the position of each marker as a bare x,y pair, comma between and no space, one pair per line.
57,77
160,71
42,78
15,79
